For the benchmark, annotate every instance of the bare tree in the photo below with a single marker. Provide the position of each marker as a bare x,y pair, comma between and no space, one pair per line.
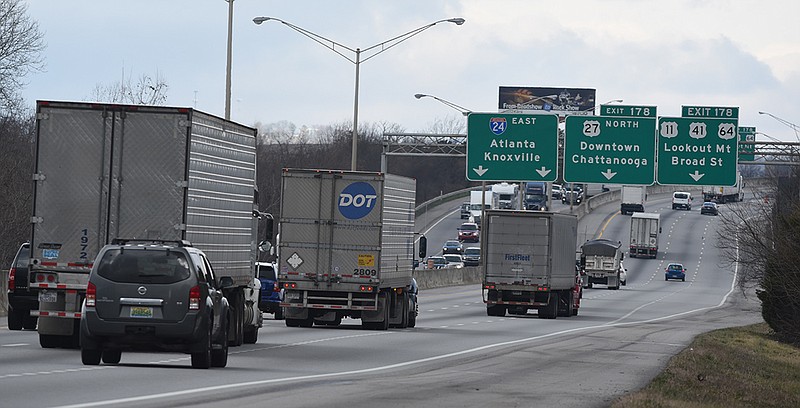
761,239
21,45
145,91
450,124
16,167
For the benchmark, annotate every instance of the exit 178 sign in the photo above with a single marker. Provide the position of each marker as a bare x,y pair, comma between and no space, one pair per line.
512,147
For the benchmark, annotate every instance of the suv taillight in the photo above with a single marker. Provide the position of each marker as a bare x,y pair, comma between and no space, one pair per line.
91,295
194,298
276,287
11,273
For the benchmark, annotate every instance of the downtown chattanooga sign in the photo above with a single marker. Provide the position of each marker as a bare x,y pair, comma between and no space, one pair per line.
618,147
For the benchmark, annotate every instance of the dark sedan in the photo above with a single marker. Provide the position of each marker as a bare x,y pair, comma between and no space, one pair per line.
709,208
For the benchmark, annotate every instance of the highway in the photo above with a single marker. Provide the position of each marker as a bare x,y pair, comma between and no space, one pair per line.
456,355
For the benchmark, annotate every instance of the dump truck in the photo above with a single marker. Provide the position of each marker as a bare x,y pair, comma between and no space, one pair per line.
601,261
632,199
106,171
529,263
645,229
346,248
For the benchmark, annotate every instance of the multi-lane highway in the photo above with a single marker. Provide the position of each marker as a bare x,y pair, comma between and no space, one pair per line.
455,356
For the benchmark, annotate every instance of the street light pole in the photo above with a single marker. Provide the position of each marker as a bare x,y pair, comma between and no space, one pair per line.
228,66
464,111
337,47
784,122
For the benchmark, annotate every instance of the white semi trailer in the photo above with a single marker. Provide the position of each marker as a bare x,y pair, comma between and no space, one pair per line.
106,171
347,248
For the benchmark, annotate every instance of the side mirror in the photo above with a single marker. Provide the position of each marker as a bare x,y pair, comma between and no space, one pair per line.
225,282
264,246
423,247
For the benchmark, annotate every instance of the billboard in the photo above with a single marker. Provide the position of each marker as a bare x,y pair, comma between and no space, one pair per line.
561,101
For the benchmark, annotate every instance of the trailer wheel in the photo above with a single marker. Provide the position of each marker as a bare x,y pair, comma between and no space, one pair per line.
90,356
551,310
50,341
110,356
236,335
566,305
293,322
412,313
496,310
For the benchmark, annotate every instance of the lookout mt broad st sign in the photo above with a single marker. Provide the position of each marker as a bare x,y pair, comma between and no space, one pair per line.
512,147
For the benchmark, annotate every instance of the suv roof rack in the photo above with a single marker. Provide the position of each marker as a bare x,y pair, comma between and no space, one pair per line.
125,241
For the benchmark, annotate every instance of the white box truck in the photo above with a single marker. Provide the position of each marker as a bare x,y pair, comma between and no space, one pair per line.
632,199
346,248
106,171
725,194
529,263
506,195
645,229
477,201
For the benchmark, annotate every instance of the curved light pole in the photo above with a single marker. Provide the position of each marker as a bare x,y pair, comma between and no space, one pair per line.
784,122
464,111
356,59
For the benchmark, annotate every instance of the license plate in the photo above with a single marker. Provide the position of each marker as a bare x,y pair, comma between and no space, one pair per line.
293,295
48,297
515,293
142,312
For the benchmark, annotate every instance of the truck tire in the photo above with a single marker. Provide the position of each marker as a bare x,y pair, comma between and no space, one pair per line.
16,318
551,310
236,334
496,310
293,322
219,356
90,356
412,313
566,305
110,356
383,325
50,341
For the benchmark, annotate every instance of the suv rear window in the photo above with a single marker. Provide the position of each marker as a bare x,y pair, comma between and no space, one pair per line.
158,266
679,195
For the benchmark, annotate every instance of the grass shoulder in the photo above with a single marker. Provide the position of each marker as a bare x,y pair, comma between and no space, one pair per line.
734,367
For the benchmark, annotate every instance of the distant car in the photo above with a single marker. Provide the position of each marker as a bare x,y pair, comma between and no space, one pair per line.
468,231
155,296
20,298
472,256
465,211
709,208
556,191
453,246
436,262
575,195
675,271
271,291
454,260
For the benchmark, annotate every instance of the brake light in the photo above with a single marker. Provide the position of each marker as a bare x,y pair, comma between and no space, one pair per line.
91,295
194,298
289,285
11,284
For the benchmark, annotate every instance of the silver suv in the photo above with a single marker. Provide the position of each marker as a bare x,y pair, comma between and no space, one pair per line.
154,296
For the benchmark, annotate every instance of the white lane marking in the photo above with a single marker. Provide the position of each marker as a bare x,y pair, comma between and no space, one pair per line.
390,367
15,345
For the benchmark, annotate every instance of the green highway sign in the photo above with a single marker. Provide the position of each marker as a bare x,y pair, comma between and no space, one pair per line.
628,111
747,150
610,149
697,151
722,112
512,147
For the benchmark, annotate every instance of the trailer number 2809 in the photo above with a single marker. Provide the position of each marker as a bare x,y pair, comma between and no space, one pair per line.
365,272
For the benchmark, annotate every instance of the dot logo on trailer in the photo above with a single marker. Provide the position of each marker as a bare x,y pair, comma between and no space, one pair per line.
357,200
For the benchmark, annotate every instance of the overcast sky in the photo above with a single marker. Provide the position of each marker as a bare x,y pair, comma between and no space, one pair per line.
743,53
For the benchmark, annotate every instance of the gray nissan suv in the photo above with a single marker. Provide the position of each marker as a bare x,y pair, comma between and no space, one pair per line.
154,296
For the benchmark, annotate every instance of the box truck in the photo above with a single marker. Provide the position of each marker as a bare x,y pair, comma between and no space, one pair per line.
347,248
632,199
529,263
105,172
645,229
